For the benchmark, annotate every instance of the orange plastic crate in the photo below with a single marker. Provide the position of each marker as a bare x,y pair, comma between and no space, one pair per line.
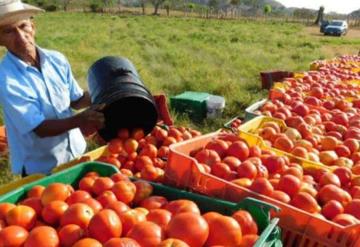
299,227
3,140
2,131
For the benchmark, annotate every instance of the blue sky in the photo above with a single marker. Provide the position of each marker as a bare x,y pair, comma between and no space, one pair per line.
340,6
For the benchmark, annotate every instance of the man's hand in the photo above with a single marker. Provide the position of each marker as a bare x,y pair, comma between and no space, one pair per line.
91,119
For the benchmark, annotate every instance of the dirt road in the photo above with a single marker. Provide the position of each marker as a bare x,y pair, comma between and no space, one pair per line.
314,31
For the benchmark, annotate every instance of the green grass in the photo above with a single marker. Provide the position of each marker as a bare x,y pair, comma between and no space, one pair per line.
5,172
175,54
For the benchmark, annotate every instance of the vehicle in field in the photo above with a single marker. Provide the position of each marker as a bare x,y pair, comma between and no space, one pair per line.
336,27
323,25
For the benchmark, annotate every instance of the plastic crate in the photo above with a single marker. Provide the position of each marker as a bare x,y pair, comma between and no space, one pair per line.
89,156
247,130
315,66
269,77
299,227
250,111
2,131
259,210
354,82
3,140
299,75
277,91
228,124
256,123
18,183
280,86
191,103
307,164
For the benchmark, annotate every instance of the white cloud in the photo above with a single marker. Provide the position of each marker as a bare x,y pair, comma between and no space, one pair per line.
343,6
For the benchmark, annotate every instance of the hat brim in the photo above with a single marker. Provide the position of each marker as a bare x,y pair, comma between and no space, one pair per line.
18,15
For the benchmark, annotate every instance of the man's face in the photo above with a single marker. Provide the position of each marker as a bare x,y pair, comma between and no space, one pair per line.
19,37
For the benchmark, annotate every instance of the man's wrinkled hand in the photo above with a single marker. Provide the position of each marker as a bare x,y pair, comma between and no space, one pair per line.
92,118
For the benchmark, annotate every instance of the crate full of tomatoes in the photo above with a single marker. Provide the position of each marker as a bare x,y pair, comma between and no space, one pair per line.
94,204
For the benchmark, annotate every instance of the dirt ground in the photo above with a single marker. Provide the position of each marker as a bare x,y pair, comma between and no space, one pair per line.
315,31
333,50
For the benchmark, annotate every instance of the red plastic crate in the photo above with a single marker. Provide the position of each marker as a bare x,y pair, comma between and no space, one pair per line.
269,77
299,227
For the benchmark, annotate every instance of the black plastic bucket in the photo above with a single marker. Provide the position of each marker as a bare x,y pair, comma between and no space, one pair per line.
129,104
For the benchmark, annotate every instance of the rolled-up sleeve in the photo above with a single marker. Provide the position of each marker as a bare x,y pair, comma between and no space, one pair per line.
23,110
76,92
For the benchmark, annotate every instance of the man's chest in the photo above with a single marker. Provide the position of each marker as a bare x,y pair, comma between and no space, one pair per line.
52,90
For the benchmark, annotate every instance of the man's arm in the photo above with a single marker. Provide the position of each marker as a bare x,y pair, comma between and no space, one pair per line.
81,103
90,118
56,127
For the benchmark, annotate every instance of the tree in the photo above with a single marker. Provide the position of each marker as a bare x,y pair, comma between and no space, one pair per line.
267,9
108,3
65,4
320,16
143,3
96,6
255,7
167,6
191,7
303,13
213,4
234,2
156,4
119,3
255,4
170,4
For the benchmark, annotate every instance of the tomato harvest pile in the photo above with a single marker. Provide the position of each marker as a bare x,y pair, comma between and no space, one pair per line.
300,159
145,156
302,155
104,209
115,211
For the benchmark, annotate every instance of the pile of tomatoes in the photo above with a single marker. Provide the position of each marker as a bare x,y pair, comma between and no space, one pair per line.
145,156
113,211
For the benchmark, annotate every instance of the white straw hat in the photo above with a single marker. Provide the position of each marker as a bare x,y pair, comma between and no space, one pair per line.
14,10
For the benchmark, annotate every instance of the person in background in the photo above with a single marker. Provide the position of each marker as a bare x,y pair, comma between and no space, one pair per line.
38,94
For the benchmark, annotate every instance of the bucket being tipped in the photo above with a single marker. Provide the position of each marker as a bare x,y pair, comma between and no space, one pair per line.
129,104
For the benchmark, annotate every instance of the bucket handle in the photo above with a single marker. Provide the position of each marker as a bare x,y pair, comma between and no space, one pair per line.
124,72
120,72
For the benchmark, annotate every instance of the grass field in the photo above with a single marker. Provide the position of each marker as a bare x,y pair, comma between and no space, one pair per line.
174,54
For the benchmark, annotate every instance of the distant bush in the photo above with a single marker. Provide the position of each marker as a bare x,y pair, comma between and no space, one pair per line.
96,7
51,7
48,5
40,3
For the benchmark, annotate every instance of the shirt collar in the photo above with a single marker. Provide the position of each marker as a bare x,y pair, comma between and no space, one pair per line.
21,64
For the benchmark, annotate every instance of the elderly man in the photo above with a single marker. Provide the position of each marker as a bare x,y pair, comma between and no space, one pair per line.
37,94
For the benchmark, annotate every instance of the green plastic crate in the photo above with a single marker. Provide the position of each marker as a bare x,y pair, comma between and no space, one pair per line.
270,232
191,103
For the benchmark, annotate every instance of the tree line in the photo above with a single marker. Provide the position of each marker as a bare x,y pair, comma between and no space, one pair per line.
202,8
168,5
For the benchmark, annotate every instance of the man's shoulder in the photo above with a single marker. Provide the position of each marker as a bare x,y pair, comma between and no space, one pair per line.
6,67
